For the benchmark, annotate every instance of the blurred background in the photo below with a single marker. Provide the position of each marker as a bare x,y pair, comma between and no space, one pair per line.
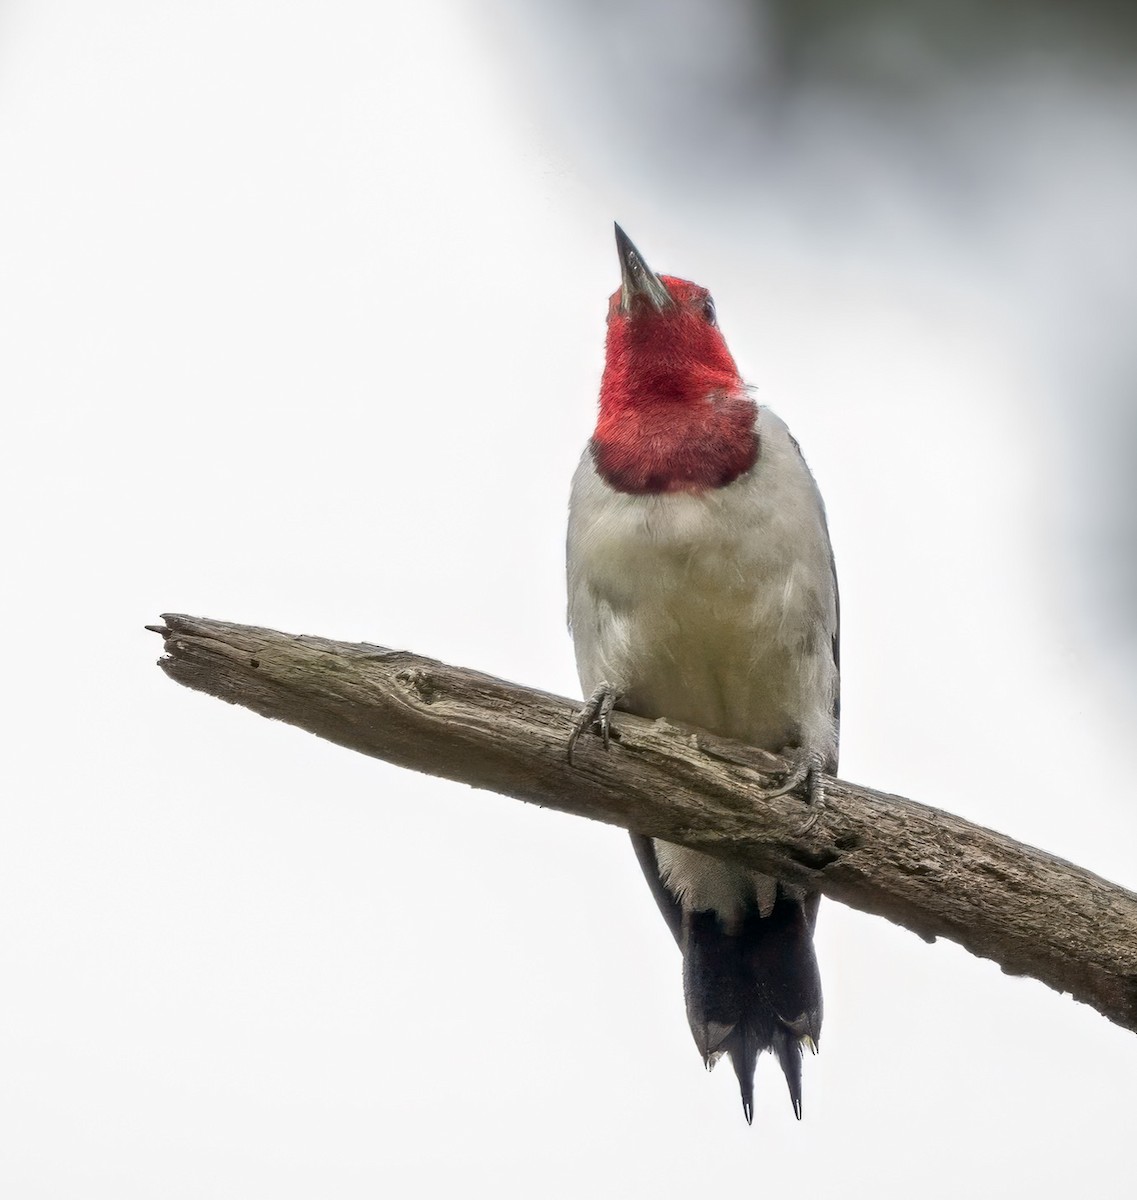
301,308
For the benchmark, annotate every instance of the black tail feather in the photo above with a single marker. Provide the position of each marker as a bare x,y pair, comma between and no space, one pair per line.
788,1049
754,986
710,982
743,1049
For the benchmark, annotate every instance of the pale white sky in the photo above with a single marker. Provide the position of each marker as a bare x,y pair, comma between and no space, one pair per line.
302,315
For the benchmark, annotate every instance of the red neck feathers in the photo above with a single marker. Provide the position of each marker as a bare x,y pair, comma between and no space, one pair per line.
674,414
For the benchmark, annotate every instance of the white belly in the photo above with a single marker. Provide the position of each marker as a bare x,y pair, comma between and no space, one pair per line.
717,610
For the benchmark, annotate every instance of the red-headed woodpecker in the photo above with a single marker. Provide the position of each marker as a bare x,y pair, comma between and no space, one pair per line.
702,589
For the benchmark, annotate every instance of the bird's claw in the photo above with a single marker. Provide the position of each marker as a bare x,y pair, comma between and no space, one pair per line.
596,714
806,770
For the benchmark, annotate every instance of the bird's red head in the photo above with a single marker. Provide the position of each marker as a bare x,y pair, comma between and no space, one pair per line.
674,413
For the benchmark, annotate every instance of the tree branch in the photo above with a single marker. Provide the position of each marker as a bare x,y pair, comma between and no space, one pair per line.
927,870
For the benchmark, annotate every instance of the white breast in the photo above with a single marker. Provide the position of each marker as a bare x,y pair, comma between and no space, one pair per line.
716,610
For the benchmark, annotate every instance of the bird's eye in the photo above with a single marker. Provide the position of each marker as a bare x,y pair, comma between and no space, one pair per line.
709,311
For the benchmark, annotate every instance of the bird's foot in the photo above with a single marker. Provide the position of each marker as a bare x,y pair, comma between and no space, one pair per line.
595,715
805,770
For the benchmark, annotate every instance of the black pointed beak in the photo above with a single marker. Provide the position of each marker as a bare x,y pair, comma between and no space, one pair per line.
637,279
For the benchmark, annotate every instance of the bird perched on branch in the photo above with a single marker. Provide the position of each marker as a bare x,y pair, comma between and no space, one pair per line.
702,589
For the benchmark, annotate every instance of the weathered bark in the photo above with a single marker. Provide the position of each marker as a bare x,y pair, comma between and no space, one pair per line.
922,868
